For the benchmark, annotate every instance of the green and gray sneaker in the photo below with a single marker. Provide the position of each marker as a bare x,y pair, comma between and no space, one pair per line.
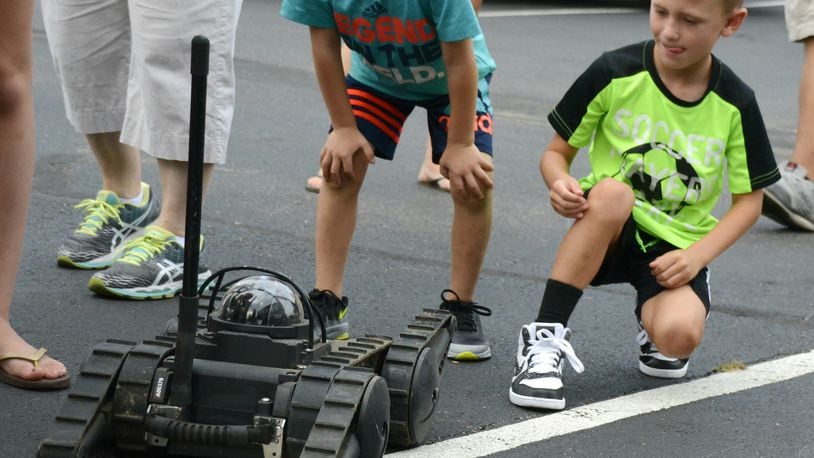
108,222
334,311
150,267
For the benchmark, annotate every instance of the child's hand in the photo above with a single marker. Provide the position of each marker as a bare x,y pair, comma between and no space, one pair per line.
567,198
675,268
467,170
336,157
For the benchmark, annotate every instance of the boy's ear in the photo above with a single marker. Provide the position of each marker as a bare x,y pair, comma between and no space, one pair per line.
734,22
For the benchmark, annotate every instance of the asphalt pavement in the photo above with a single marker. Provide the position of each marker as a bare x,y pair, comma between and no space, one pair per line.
258,213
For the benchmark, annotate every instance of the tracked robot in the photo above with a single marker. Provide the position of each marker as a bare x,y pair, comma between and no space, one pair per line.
240,373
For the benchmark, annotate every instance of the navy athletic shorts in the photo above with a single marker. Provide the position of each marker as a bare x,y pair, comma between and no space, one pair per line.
380,118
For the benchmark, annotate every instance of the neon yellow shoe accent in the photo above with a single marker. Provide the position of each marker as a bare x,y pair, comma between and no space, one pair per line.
145,195
343,336
146,246
466,356
97,285
98,211
342,315
66,261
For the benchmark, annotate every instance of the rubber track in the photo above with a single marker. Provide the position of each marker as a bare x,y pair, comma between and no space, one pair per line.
90,390
404,352
334,422
133,394
315,381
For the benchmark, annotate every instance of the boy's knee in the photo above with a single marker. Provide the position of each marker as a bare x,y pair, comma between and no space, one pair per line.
471,204
611,200
676,340
13,87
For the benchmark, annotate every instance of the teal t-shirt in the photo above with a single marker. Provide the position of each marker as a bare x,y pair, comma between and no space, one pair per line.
674,154
397,43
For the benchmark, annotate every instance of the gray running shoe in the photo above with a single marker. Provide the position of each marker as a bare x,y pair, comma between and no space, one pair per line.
334,311
790,201
108,222
150,267
468,342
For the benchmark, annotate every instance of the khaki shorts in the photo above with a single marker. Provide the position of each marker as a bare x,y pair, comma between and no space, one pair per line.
124,65
799,19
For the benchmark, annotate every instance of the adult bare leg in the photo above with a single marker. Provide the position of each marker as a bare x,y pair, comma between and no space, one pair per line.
17,156
174,193
119,164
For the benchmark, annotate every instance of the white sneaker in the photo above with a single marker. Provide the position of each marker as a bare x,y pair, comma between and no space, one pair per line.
790,201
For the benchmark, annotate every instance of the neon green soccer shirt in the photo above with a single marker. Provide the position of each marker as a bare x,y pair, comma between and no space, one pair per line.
673,153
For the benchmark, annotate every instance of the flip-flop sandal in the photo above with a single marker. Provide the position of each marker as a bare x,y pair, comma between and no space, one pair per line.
41,384
314,188
436,183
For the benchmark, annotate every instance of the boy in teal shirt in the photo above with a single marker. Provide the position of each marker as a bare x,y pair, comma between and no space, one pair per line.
665,121
405,53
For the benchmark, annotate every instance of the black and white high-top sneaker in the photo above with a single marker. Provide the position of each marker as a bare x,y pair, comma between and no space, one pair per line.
654,364
541,350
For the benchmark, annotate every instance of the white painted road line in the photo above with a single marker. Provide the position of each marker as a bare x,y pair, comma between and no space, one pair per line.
580,11
602,413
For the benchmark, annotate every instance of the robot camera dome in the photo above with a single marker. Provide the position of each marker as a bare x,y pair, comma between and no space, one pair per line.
261,300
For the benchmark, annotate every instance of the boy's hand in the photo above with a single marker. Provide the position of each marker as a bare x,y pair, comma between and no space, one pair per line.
467,170
336,157
675,268
567,198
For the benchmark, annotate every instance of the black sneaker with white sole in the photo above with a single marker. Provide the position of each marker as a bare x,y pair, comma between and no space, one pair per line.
654,364
542,348
333,311
468,342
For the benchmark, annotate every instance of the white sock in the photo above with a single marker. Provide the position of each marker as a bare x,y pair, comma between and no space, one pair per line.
136,200
180,240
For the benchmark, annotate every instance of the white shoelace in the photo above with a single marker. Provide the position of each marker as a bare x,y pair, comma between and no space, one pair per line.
543,355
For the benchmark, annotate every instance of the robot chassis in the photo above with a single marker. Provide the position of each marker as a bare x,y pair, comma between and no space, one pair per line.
208,387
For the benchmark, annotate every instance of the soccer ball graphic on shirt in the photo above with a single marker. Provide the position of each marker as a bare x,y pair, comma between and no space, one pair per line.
661,176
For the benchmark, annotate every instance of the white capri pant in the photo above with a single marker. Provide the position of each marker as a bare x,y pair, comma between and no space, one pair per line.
799,19
124,65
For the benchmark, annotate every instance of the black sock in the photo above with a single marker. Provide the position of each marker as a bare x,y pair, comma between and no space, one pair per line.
559,301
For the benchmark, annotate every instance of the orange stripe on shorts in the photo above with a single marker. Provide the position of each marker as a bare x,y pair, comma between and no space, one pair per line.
382,103
378,123
375,110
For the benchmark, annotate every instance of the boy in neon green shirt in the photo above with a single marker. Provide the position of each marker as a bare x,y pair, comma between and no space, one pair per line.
665,121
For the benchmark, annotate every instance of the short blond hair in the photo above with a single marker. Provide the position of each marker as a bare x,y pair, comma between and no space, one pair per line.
731,5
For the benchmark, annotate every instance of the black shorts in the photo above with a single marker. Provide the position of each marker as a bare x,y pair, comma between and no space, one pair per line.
629,263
